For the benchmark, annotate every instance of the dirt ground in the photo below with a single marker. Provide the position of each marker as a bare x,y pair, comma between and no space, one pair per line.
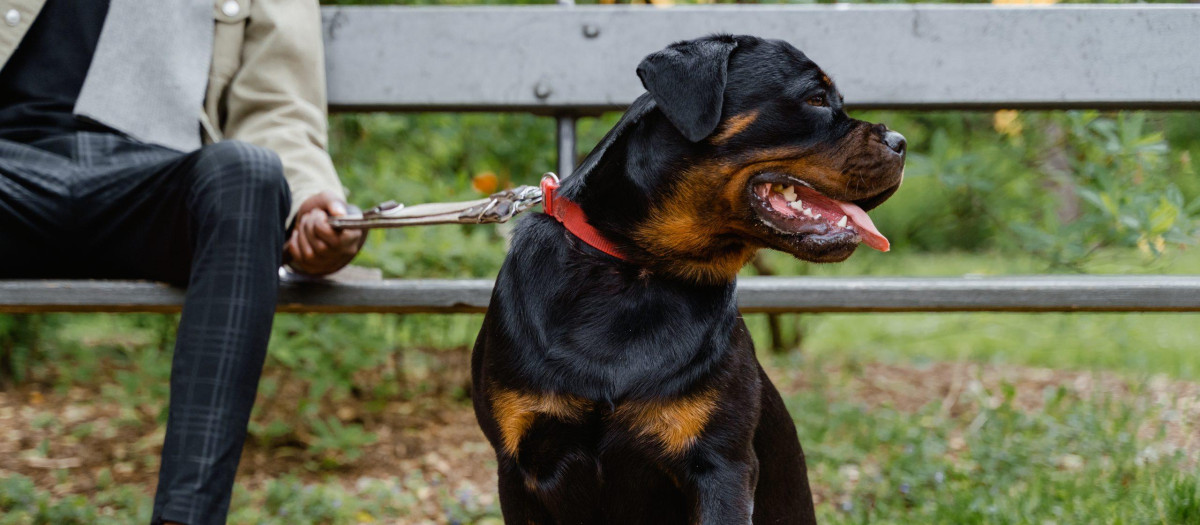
43,431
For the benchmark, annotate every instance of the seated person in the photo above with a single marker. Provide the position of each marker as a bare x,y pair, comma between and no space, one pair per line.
181,141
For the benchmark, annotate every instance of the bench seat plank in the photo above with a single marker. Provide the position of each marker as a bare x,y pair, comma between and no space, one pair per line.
756,294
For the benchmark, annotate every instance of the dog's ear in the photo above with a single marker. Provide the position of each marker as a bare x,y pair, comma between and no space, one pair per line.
573,185
687,81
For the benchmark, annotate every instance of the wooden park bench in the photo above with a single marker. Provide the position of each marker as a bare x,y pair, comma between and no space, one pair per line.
570,62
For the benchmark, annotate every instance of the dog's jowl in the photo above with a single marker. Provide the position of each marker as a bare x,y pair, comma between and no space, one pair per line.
613,374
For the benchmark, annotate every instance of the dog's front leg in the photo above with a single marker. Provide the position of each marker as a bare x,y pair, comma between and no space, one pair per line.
721,488
516,502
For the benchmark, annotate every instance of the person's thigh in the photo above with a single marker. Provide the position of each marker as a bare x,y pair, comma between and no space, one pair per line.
147,214
35,216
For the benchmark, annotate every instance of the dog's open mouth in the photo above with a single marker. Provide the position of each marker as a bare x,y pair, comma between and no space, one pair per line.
791,207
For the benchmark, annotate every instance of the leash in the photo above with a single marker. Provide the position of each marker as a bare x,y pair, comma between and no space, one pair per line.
496,208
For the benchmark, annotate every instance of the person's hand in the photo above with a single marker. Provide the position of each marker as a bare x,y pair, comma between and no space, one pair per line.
315,247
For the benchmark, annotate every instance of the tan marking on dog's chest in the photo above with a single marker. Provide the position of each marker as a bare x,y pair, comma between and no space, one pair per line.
675,423
515,412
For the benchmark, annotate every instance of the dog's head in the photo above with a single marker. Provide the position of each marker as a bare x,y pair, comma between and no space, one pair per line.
740,143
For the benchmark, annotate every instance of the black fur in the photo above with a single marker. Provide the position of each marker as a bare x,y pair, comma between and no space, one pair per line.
687,80
568,320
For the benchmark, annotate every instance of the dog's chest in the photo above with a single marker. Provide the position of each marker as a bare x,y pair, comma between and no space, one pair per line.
664,426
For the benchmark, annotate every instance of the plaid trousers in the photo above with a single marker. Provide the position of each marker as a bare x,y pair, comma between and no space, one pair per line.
98,205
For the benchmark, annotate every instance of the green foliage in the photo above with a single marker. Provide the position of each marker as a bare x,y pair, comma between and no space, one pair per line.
20,336
290,501
1121,170
284,501
1070,460
1182,500
1062,186
332,359
434,157
337,443
22,503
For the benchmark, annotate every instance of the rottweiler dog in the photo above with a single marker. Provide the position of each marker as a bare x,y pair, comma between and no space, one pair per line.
613,374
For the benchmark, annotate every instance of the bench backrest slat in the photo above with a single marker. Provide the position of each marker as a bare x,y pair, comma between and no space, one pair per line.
582,59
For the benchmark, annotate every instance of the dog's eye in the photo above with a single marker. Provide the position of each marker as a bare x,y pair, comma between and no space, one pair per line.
818,100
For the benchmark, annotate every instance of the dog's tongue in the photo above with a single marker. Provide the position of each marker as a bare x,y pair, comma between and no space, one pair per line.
866,229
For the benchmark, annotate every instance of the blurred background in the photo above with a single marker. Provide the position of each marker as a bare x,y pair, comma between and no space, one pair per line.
907,418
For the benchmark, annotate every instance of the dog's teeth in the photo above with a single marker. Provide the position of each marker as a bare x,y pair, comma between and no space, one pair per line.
795,205
777,188
789,193
818,216
807,212
842,222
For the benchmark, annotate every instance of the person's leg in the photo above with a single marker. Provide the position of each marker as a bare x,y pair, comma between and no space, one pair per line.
237,206
215,217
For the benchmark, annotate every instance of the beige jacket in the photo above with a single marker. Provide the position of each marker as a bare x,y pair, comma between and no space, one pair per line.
266,85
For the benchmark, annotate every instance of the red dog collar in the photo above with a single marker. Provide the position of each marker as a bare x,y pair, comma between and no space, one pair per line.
572,217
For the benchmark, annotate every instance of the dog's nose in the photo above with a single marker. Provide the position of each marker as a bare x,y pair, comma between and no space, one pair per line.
895,141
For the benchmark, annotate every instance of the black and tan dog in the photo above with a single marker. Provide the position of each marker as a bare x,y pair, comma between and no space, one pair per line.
613,374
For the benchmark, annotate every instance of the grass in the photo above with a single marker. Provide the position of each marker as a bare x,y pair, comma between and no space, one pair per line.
1000,451
284,501
1140,344
937,444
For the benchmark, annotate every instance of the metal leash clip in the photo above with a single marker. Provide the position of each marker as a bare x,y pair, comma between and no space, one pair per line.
496,208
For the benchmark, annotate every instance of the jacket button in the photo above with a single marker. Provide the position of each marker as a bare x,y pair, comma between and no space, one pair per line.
231,8
12,17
